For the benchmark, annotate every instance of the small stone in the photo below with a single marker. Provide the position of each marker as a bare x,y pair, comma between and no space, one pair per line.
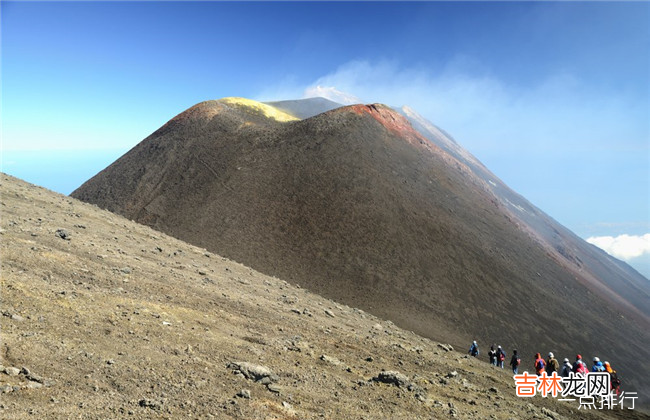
5,389
244,393
251,371
17,317
265,380
493,389
12,371
274,388
445,347
331,360
329,313
35,378
452,374
126,270
110,362
63,234
392,377
154,405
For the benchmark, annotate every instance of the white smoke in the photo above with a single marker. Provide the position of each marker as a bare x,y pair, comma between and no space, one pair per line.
331,93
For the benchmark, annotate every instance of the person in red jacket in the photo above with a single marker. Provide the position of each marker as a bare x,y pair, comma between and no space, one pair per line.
540,365
582,368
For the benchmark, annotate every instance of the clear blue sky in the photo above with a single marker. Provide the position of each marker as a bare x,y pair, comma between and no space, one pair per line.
553,97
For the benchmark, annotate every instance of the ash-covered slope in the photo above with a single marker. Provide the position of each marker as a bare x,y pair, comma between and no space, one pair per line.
103,318
357,205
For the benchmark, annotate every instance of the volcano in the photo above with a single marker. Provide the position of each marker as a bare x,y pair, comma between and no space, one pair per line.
381,210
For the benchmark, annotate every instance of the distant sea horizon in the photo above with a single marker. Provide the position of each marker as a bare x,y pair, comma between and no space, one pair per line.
62,171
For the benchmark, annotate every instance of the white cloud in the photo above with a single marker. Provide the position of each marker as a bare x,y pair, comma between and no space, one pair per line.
331,93
489,116
625,247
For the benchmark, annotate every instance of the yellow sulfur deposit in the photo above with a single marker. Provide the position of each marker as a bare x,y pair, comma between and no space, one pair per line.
266,110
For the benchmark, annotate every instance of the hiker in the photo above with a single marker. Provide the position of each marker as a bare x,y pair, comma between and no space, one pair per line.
501,357
492,354
598,366
473,350
577,363
566,368
614,382
514,362
582,368
552,365
539,364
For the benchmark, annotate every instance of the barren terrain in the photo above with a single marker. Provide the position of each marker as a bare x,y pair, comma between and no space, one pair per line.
356,205
106,318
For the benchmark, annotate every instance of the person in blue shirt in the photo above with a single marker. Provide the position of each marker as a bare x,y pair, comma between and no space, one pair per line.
473,350
598,366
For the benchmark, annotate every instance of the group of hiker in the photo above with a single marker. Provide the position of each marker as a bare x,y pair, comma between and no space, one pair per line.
550,364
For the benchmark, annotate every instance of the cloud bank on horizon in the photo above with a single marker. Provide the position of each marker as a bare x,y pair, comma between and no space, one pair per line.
624,247
633,249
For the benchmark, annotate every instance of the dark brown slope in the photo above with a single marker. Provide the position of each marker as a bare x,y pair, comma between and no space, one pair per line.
612,279
356,205
122,322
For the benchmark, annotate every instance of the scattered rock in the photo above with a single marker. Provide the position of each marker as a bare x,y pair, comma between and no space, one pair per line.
152,404
254,372
126,270
5,389
244,393
445,347
33,385
329,313
452,374
265,380
274,388
12,371
392,377
17,317
331,360
551,414
63,234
